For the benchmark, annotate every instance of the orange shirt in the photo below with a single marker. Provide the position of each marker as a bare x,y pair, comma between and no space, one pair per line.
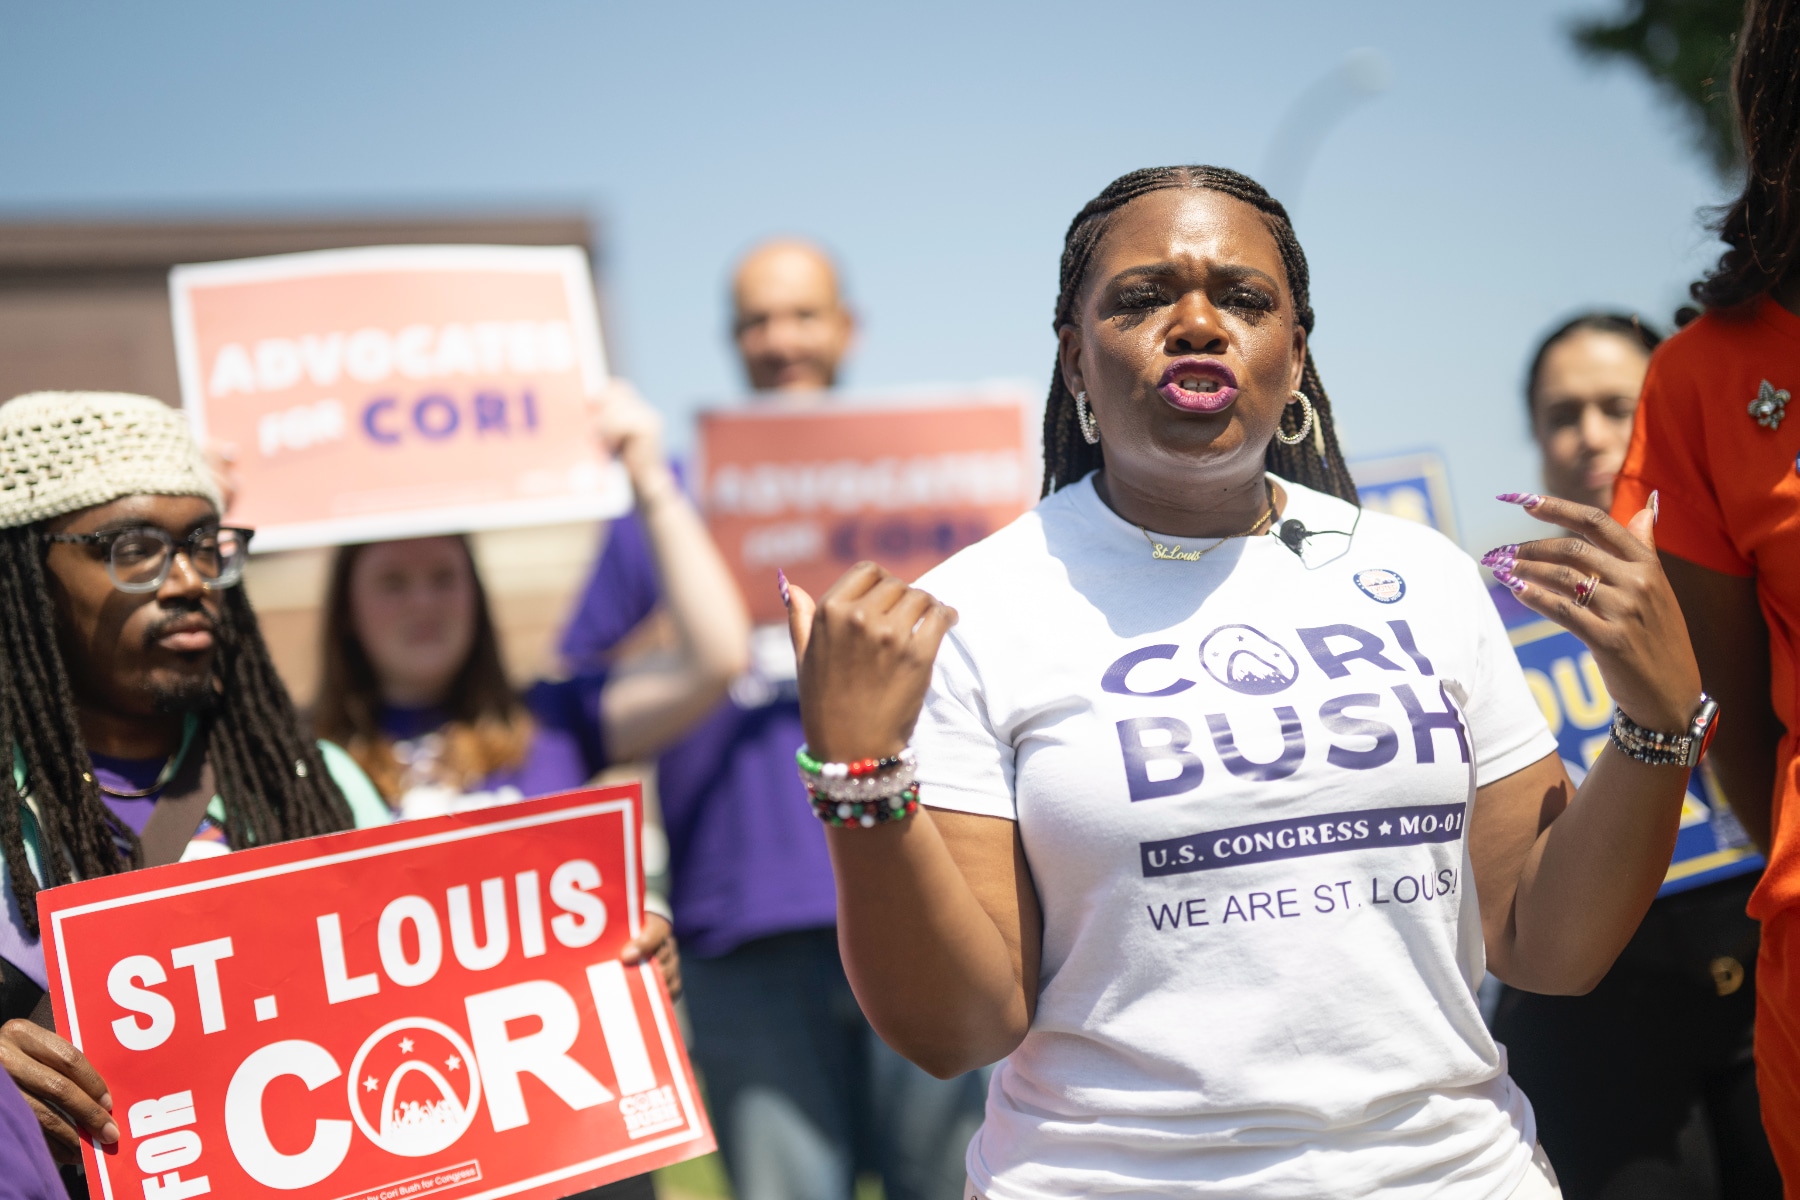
1730,501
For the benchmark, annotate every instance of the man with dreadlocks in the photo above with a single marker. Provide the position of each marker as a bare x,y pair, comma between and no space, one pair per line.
1218,826
146,720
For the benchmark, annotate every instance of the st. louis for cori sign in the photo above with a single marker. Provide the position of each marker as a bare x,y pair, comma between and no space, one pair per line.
435,1008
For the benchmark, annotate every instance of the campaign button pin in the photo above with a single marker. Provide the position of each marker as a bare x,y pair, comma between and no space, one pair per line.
1379,583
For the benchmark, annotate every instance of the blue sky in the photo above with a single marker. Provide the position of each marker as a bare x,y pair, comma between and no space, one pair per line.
940,149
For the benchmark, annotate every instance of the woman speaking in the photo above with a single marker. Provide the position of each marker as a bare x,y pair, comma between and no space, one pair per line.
1232,791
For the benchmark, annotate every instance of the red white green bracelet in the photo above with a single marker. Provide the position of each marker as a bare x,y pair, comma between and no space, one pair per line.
810,766
867,792
866,813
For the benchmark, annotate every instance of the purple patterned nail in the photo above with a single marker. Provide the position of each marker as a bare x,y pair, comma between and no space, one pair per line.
1503,574
1522,499
1499,554
781,581
1516,586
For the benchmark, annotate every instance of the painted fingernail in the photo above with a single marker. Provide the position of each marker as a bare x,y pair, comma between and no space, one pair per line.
1515,586
1503,574
1500,554
1655,506
781,581
109,1133
1522,499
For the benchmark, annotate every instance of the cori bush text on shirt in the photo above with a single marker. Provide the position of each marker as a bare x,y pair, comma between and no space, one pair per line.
1158,752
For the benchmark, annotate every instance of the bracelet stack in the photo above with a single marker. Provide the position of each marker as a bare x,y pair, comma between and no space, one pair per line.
867,792
1658,749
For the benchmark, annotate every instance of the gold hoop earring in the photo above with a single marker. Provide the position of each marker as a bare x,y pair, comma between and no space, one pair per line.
1084,417
1306,422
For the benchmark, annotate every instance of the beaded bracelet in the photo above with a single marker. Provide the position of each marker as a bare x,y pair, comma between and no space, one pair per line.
853,770
867,813
863,787
867,792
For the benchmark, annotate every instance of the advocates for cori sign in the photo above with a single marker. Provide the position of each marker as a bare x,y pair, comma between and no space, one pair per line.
370,355
906,481
396,391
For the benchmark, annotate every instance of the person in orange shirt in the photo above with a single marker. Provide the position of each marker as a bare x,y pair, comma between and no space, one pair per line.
1716,445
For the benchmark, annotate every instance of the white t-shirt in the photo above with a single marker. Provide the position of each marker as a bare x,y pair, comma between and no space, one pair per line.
1242,784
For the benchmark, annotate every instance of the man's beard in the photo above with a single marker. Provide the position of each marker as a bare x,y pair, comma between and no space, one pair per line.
189,694
195,695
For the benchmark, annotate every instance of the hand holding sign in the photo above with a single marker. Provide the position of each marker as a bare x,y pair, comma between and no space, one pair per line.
60,1085
632,432
656,943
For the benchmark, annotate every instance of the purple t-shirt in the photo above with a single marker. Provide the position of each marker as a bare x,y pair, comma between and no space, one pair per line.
138,775
120,775
747,857
27,1171
566,749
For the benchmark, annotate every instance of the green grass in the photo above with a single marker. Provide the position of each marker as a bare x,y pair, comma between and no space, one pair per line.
704,1179
695,1179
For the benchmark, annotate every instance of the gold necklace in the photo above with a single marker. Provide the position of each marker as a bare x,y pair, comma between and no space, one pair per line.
1176,554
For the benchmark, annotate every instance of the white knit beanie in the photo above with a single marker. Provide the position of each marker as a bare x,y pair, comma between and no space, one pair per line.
63,451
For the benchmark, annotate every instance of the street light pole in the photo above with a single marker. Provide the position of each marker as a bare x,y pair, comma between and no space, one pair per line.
1315,112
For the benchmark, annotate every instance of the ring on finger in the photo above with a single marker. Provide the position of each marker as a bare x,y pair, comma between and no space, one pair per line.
1585,589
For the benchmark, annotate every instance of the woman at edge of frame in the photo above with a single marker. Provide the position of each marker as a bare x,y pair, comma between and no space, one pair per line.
1717,434
1214,966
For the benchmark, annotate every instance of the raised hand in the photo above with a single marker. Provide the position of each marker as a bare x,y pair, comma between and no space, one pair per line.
1605,585
631,431
865,651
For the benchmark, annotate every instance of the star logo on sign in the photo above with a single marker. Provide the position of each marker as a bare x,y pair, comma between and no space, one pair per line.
453,1063
1386,828
406,1045
1770,406
371,1083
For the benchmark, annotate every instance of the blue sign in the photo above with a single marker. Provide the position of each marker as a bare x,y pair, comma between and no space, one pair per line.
1566,682
1415,486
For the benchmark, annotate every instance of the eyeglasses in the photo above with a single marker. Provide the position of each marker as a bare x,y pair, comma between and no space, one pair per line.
139,560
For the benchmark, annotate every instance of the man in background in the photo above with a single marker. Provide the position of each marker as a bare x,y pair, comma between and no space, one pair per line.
803,1094
789,318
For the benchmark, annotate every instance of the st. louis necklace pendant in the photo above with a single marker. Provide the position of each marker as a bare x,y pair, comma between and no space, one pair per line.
1770,405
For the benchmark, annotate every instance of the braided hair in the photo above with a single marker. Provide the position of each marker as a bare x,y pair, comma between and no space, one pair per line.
1317,462
273,779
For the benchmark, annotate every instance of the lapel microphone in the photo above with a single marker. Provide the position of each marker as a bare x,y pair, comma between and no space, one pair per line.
1292,534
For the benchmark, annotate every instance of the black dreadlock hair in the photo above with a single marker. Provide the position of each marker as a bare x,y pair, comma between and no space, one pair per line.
273,779
1067,457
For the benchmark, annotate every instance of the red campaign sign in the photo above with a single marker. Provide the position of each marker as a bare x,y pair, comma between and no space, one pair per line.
431,1008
